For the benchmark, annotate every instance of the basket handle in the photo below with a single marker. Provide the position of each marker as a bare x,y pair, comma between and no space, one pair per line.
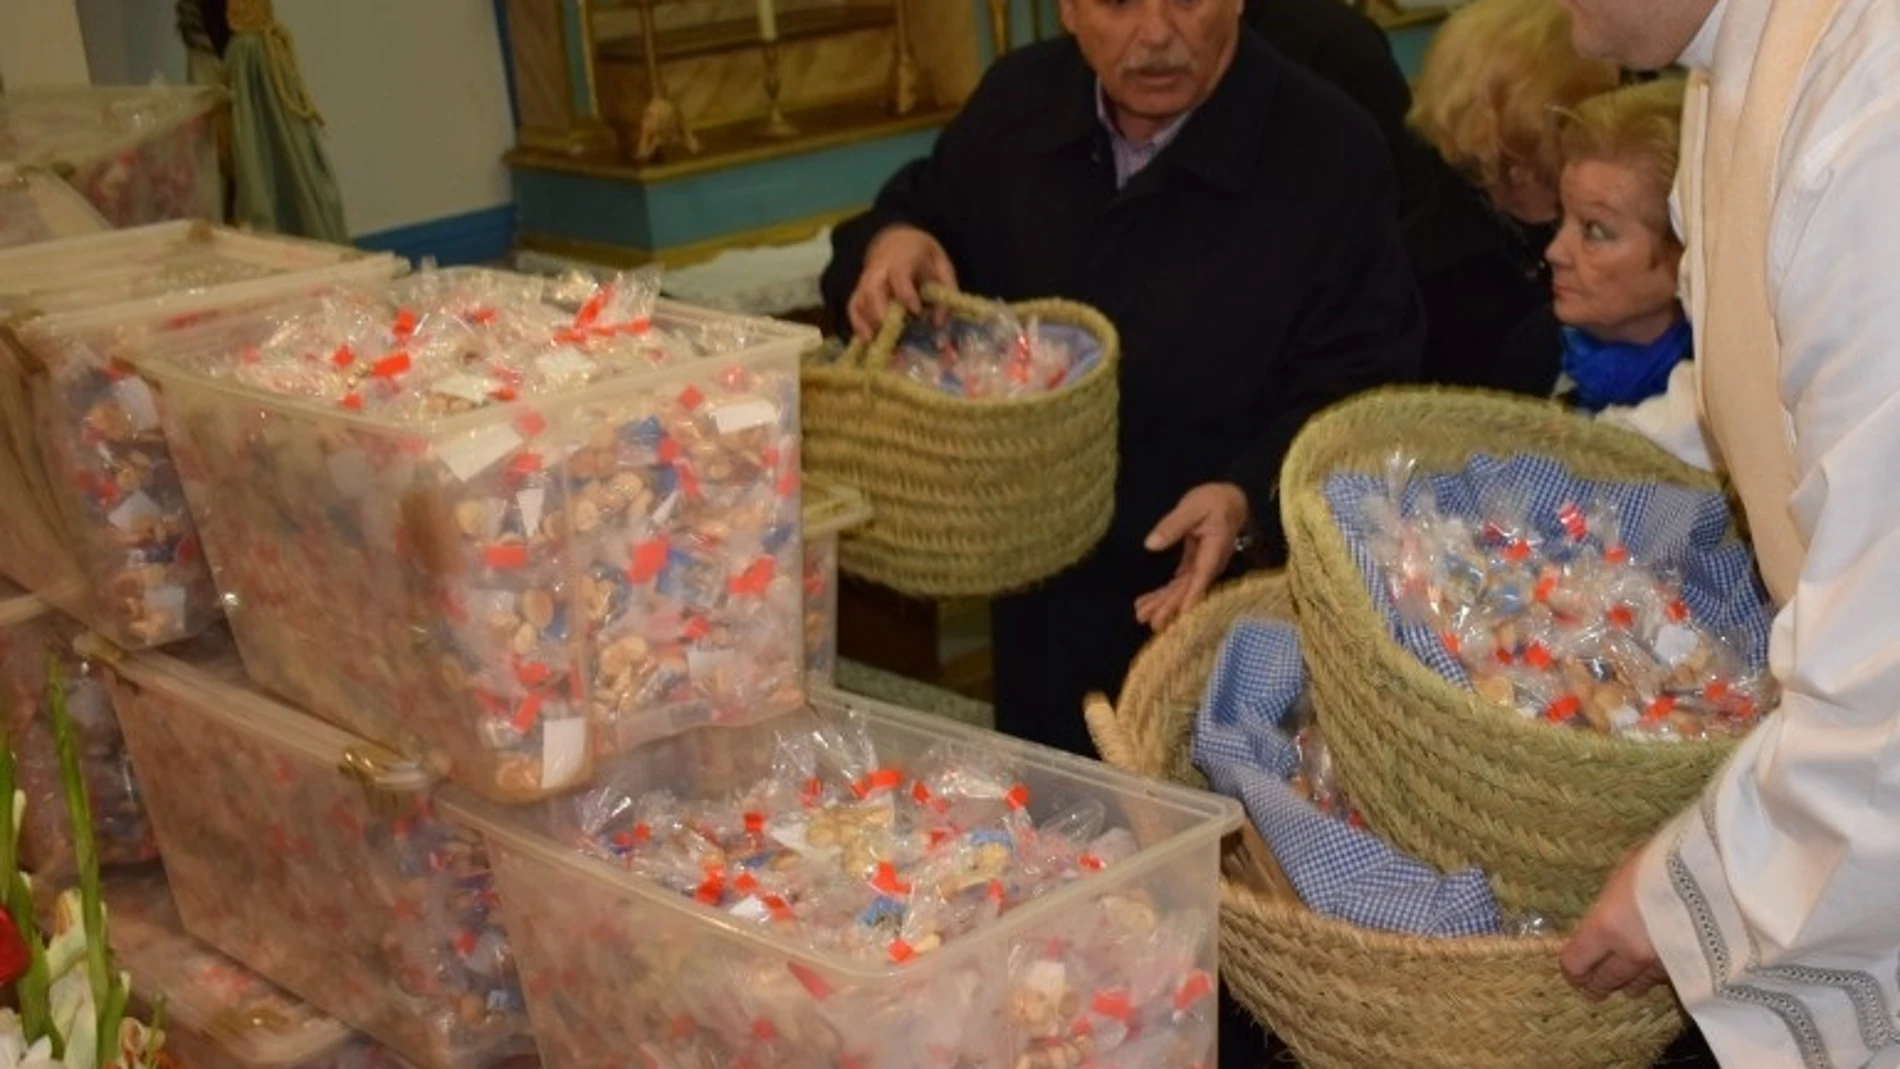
1106,729
880,351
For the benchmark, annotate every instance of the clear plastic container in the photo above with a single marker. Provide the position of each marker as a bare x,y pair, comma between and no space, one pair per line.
217,1013
1113,969
32,635
139,154
36,205
101,526
509,592
316,859
830,509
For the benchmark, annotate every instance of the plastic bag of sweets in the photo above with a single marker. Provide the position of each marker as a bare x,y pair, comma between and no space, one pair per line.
518,522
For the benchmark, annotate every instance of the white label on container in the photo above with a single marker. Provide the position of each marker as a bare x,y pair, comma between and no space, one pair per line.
708,666
469,388
789,833
530,502
751,909
133,511
1049,979
349,470
744,415
1674,644
166,603
1623,718
664,514
136,398
565,362
485,604
563,749
474,453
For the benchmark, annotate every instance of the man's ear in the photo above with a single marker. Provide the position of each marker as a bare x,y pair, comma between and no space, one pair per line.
1065,9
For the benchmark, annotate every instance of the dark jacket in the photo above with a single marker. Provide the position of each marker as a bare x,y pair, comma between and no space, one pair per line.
1342,45
1480,274
1255,270
1534,352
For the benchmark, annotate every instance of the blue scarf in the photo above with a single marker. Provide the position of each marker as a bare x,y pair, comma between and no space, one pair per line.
1609,373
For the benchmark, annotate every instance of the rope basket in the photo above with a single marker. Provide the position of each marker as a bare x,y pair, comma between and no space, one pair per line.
1345,997
973,497
1447,776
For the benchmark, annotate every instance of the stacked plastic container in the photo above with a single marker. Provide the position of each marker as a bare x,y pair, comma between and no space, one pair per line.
317,860
218,1014
139,154
97,521
36,205
548,544
830,510
1114,968
33,639
511,590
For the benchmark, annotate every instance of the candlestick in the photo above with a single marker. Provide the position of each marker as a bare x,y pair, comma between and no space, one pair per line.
768,20
661,122
906,76
776,124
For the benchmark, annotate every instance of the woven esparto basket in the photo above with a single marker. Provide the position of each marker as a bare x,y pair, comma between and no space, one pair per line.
1345,997
1447,776
972,497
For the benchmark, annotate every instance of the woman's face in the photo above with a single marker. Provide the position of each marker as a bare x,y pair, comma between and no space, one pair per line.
1613,273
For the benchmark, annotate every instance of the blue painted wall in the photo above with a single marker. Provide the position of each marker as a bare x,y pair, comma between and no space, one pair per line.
478,237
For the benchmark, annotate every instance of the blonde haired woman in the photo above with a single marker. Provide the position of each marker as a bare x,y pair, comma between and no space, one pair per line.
1614,328
1615,258
1490,99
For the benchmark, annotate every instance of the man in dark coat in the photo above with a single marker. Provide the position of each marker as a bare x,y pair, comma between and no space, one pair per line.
1234,216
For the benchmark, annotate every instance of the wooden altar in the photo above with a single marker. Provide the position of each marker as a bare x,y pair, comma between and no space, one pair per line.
653,128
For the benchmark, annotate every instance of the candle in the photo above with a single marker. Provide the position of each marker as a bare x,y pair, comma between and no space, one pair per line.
768,20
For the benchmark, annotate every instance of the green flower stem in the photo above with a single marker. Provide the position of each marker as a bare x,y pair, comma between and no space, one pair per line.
109,995
36,987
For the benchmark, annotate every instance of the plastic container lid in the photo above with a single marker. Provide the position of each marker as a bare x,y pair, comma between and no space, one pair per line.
206,993
77,125
831,507
88,273
1195,817
36,206
179,359
207,675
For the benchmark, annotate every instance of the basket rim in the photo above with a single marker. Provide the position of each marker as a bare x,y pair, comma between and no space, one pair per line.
1307,517
850,368
1148,665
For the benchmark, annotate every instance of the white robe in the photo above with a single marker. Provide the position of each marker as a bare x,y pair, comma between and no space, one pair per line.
1775,903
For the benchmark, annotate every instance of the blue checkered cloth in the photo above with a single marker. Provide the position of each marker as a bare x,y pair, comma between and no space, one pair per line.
1665,527
1337,870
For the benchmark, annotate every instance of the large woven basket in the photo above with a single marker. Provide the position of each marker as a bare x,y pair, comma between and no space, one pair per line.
1344,997
972,497
1446,775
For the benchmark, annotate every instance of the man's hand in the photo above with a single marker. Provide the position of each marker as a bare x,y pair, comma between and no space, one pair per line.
1611,950
1206,525
896,265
